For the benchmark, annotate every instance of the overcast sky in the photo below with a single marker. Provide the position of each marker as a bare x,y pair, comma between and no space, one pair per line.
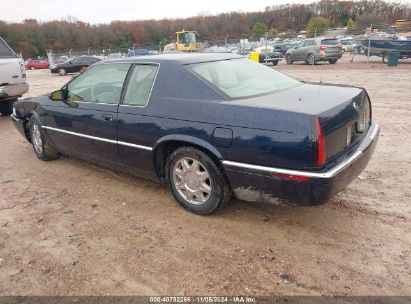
104,11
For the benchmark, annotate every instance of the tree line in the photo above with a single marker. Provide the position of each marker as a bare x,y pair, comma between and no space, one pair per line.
32,38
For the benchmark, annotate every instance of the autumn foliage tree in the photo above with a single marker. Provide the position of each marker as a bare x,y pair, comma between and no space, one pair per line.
33,38
316,26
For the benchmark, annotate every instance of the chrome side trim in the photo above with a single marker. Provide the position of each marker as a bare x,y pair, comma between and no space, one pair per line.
99,138
123,143
81,135
328,174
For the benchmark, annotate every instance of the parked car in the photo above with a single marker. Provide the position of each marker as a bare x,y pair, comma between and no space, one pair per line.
34,64
207,125
263,55
12,78
74,65
315,49
283,47
347,46
138,52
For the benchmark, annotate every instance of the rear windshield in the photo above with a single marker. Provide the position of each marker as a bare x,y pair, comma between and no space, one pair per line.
5,50
329,41
241,78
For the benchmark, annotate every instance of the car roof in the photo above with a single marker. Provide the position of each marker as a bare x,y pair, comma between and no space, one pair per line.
178,58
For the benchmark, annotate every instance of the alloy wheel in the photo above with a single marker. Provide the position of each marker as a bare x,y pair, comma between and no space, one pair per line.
37,142
192,180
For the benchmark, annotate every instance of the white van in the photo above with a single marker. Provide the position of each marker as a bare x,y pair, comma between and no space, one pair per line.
12,78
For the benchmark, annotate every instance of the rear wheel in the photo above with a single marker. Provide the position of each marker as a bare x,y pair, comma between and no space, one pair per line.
385,58
196,181
41,145
6,107
62,71
310,59
333,61
275,62
288,59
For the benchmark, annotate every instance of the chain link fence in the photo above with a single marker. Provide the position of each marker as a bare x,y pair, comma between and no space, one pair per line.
232,45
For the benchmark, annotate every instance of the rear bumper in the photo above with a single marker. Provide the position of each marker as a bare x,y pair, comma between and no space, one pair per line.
257,183
13,90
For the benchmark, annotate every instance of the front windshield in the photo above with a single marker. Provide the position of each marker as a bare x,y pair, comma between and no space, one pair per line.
241,78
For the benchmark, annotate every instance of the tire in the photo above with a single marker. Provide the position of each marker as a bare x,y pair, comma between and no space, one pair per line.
6,107
385,58
198,184
62,71
275,62
310,59
40,142
32,68
288,59
333,61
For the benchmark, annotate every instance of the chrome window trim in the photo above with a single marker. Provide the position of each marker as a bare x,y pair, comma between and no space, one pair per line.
328,174
111,141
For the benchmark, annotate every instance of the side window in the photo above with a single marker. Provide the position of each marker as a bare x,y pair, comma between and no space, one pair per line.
75,60
102,84
308,43
140,84
5,50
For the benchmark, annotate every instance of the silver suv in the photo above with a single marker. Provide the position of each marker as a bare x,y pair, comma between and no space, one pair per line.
12,78
315,49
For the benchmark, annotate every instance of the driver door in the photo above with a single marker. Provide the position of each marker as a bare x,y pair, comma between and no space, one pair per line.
86,124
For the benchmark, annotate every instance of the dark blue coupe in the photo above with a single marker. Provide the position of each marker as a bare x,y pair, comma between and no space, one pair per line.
208,126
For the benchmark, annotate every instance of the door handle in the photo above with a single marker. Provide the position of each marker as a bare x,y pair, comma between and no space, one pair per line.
107,116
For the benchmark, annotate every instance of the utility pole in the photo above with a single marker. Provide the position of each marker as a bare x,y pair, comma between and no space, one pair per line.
226,43
266,47
314,45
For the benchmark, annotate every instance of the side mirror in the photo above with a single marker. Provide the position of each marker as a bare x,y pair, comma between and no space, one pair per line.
57,95
295,47
70,62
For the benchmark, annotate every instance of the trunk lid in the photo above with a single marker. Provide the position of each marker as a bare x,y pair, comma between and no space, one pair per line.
338,108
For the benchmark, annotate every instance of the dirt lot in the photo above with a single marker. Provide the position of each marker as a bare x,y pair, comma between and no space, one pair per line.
70,228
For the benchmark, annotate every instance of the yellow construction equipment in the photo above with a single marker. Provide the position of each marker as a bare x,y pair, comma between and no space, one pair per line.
186,41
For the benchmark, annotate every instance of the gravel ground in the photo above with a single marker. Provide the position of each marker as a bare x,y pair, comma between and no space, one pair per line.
71,228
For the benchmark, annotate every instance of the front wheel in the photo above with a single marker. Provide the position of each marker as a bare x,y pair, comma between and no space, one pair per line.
288,59
62,71
196,181
41,145
275,62
310,59
333,61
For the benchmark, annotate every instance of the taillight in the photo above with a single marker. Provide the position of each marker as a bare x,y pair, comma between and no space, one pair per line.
321,153
323,47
